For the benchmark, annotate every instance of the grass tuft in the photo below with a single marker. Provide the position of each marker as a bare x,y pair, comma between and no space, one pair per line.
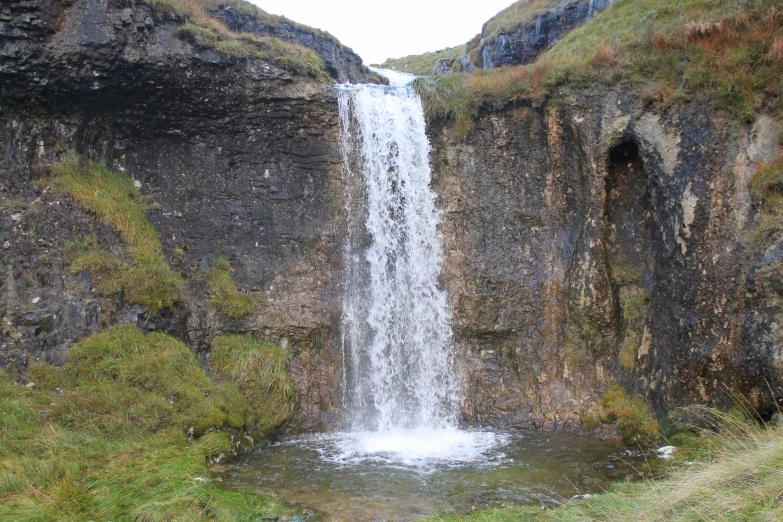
629,413
225,294
259,370
116,202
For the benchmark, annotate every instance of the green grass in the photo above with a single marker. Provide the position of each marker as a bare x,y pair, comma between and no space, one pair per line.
737,478
629,413
225,294
203,30
422,64
259,370
105,437
111,196
726,52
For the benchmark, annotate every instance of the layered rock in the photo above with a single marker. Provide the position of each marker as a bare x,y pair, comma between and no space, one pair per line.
237,158
596,241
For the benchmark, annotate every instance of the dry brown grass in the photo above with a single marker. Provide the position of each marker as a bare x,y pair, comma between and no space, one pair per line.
604,56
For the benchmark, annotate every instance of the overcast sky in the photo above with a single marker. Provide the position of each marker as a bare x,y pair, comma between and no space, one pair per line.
390,29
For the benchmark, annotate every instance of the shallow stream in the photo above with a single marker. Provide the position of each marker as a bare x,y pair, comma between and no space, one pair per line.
341,478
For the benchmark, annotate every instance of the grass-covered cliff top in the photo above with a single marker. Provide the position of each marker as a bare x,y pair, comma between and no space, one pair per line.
204,30
727,52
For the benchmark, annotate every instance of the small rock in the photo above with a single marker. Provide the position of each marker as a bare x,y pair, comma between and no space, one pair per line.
29,385
36,299
666,452
270,517
586,496
137,183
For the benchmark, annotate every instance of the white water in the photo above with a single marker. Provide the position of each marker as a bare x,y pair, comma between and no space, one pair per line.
401,389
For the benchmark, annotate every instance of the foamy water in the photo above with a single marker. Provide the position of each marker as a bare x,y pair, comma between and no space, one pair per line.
422,449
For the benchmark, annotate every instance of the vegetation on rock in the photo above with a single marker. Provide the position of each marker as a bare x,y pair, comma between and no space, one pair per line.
225,295
111,196
724,52
629,413
202,29
733,475
259,370
106,437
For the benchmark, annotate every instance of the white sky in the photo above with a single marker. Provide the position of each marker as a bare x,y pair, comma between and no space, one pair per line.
391,29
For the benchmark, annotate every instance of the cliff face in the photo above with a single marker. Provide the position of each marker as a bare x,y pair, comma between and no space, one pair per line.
237,158
595,242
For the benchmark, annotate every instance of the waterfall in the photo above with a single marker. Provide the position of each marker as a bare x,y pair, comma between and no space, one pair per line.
399,372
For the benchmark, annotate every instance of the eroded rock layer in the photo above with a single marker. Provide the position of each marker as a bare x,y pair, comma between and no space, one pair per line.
596,241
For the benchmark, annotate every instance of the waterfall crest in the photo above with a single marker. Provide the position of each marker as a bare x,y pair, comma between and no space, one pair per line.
399,371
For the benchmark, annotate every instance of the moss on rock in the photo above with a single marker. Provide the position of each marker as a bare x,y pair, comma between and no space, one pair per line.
629,412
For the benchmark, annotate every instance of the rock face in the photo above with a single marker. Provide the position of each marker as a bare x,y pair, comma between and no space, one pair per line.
527,42
597,242
237,158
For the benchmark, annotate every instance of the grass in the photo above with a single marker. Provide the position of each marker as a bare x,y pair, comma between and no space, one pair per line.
737,477
629,413
259,371
106,437
719,51
111,196
225,295
205,31
422,64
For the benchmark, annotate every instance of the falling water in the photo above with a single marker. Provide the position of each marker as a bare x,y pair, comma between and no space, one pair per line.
396,318
402,395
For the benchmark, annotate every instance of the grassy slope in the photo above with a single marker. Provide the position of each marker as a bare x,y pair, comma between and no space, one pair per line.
727,52
422,64
105,438
201,29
